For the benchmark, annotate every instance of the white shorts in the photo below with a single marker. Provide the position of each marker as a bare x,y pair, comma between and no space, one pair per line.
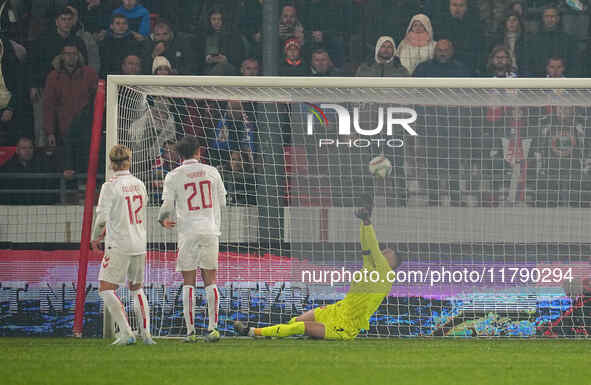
198,252
115,268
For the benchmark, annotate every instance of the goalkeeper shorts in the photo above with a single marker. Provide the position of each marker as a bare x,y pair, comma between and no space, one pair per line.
336,325
198,252
115,268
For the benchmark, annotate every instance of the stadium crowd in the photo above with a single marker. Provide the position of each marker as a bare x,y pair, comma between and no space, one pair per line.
52,53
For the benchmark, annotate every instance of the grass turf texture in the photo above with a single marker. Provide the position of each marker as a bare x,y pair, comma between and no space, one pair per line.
243,361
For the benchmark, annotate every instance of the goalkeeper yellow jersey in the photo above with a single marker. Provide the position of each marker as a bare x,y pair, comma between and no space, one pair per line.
364,297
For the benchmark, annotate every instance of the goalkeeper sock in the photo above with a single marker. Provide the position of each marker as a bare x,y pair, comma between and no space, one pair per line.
188,301
282,330
142,311
115,307
213,304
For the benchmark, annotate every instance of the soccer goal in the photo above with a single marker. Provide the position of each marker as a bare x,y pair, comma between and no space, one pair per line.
485,195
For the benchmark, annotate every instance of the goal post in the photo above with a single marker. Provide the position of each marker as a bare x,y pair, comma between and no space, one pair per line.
487,202
93,160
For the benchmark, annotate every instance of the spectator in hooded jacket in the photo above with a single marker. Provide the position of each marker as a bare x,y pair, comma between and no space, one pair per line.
386,62
418,45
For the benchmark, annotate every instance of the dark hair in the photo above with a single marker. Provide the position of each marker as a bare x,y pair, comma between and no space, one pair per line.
207,23
64,11
118,16
168,142
71,43
319,51
512,5
133,53
503,26
215,10
24,137
493,52
555,58
188,146
74,5
250,58
551,6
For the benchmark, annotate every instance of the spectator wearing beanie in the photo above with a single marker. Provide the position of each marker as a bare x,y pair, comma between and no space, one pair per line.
161,66
293,64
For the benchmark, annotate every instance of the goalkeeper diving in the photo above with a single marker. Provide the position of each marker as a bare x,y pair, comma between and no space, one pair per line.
344,319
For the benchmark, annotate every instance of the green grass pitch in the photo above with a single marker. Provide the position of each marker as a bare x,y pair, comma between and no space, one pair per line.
291,361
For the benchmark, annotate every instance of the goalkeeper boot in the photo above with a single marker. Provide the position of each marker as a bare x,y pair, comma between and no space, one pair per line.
212,336
191,337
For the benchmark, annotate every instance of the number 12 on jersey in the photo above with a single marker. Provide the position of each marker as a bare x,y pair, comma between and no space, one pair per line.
133,215
204,189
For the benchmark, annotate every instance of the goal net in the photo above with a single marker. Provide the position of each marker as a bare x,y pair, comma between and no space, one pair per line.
487,201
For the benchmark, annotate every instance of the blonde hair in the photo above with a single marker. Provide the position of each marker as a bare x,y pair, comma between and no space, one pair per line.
120,157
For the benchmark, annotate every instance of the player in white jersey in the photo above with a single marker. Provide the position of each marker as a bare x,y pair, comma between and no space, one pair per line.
198,193
121,222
